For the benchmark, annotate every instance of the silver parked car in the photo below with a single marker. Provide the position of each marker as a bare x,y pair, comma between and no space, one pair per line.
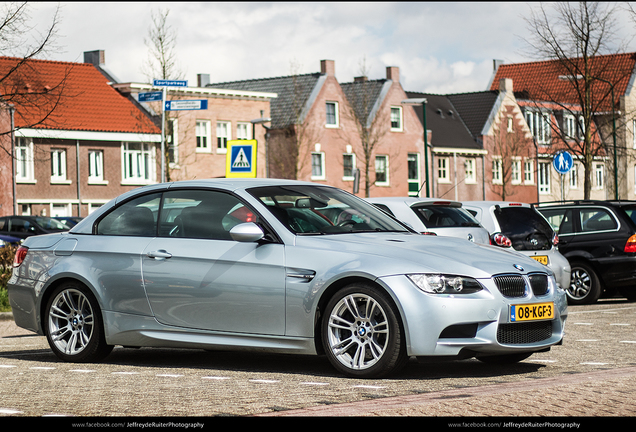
434,215
521,226
281,266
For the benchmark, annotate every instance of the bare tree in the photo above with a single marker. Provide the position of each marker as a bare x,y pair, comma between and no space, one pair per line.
33,97
576,36
371,124
162,63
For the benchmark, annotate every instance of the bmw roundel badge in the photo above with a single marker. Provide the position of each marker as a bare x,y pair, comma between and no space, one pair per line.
518,267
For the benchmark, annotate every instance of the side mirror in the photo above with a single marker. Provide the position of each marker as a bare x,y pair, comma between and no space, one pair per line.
247,232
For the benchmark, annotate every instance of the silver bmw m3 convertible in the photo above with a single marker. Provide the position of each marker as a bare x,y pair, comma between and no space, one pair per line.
281,266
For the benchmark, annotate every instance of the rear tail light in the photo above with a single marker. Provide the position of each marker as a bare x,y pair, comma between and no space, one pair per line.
428,233
20,255
555,240
499,239
630,246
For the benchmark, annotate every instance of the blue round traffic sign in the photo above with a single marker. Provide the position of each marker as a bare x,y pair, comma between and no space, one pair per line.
562,162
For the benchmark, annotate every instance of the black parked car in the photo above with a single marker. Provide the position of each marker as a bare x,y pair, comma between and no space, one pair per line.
599,240
26,226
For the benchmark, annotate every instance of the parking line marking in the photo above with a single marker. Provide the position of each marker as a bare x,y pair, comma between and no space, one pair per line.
314,383
7,366
620,324
42,368
634,342
169,375
9,411
593,363
215,378
81,370
582,323
369,387
264,381
124,373
587,340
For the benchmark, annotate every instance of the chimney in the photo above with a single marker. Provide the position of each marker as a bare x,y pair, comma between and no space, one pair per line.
360,79
496,63
203,80
97,58
393,73
505,85
328,67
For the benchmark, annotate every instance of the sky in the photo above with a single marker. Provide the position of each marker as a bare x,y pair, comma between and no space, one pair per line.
440,47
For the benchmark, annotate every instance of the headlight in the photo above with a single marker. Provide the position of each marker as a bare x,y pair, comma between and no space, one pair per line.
445,284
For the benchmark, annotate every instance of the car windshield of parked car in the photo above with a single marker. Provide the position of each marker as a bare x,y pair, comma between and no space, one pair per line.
437,216
305,209
525,227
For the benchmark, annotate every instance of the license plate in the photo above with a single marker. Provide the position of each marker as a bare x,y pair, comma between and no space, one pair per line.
532,312
541,258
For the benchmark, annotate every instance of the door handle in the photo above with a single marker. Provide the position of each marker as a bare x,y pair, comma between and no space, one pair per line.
159,255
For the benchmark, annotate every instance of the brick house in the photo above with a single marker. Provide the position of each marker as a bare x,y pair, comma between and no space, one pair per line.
314,133
546,93
78,142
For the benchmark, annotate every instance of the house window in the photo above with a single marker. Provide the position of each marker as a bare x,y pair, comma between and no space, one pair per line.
222,136
202,130
317,166
243,131
515,171
58,165
396,119
496,170
539,124
528,171
544,177
469,167
349,166
574,176
443,175
510,128
599,176
24,160
172,141
569,126
95,166
331,111
139,162
413,167
382,170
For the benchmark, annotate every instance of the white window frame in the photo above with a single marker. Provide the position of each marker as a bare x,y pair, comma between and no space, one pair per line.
142,163
353,166
172,143
528,171
223,135
398,111
318,157
470,174
515,170
96,167
599,176
336,114
58,166
543,175
24,169
443,170
203,136
569,126
378,167
497,171
539,123
573,176
243,130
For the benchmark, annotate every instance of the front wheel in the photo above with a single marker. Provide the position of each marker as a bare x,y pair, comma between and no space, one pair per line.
361,331
585,286
73,325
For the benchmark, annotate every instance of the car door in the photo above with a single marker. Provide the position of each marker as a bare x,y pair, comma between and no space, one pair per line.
598,234
562,221
196,276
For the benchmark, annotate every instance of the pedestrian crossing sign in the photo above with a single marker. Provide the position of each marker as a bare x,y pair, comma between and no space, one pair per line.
241,159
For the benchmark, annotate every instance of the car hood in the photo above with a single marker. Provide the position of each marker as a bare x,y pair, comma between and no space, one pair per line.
410,253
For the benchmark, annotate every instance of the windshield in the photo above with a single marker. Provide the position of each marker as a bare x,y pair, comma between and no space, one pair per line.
313,210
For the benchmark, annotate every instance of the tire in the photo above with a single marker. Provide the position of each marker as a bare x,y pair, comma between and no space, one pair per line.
73,325
362,334
585,286
505,358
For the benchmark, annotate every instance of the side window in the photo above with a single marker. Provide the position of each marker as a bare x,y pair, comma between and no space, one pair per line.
597,220
134,218
202,214
560,220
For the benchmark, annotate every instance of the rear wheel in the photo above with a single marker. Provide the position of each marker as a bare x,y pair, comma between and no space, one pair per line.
585,286
73,324
361,333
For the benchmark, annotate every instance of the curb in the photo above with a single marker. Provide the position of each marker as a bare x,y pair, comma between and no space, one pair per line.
6,316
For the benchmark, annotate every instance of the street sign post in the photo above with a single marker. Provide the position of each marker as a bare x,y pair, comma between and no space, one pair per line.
241,159
184,105
150,96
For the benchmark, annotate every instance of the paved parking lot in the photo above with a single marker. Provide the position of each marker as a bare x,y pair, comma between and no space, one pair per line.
592,374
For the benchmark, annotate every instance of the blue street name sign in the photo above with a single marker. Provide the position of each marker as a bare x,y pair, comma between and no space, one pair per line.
150,96
183,105
562,162
170,83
